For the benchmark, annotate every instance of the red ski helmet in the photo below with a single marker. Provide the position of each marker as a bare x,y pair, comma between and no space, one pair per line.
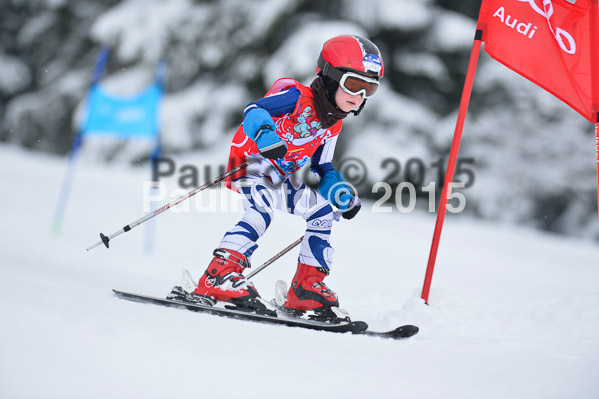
350,53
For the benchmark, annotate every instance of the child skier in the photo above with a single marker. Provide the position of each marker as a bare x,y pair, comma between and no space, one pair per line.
291,125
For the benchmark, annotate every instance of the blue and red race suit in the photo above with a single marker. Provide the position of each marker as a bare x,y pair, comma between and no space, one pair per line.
292,108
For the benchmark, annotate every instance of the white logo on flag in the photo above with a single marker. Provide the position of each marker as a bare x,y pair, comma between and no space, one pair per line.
558,33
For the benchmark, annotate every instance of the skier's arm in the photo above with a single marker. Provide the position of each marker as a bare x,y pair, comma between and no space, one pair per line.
332,185
277,104
259,126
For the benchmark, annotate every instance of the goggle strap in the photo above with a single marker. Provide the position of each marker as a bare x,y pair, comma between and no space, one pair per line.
329,70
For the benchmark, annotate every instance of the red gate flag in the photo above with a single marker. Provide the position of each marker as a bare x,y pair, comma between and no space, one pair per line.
553,43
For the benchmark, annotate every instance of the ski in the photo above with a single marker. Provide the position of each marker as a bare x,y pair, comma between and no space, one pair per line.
225,310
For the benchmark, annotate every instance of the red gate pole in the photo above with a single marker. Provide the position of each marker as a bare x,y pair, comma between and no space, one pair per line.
453,155
595,78
597,141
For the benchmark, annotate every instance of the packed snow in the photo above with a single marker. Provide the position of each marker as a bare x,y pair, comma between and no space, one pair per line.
513,312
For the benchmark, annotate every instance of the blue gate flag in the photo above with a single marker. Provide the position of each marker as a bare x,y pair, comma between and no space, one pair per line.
120,116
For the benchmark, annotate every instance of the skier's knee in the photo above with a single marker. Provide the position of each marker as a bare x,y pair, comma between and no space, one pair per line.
322,219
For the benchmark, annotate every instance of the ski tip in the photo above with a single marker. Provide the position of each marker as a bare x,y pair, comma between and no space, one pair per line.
405,331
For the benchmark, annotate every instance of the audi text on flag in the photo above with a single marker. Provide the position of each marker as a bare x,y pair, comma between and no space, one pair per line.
553,43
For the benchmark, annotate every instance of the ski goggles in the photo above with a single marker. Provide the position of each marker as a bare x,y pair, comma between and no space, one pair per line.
354,84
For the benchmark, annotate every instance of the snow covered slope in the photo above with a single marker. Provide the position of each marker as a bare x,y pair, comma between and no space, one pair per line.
513,313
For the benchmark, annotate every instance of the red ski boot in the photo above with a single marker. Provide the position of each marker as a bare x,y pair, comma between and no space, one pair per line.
223,281
310,298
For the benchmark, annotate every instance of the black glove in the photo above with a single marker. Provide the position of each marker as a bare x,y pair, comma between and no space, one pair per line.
354,208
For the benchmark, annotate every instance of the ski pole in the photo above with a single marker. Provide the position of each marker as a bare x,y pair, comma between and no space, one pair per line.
274,258
106,239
